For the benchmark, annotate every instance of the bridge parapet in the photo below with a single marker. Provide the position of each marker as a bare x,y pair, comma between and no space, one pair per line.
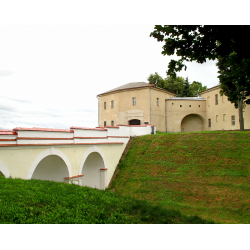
75,135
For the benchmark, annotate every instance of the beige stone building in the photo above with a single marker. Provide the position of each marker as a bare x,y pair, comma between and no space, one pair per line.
140,103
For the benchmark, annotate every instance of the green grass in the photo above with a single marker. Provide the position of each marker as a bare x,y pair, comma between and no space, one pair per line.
199,174
47,202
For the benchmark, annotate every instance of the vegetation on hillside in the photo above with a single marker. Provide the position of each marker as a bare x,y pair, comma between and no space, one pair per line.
47,202
203,174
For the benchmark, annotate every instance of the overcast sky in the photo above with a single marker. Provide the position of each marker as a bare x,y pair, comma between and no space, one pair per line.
51,74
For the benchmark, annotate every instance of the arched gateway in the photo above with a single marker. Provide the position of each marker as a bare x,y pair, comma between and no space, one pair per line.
192,123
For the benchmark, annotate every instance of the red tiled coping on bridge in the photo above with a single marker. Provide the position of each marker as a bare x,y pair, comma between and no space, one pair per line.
98,129
76,176
43,138
103,169
7,139
90,137
118,136
49,144
44,129
111,127
7,132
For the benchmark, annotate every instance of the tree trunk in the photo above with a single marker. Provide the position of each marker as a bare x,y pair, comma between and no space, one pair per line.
241,119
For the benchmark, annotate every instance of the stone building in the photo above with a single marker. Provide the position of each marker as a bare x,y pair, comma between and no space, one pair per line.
141,103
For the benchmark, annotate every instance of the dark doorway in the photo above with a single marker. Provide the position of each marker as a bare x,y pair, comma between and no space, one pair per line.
134,122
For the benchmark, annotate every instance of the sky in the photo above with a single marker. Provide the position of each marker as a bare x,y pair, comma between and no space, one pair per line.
50,76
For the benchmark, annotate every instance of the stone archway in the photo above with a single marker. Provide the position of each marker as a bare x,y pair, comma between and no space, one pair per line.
93,167
51,168
50,165
192,123
134,122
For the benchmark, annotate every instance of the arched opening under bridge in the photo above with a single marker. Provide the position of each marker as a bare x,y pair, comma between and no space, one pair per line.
134,122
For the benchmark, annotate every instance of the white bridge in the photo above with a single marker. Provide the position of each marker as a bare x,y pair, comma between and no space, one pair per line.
83,156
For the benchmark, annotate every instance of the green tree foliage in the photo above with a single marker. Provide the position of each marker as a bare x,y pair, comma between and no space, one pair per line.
196,88
235,81
198,43
177,85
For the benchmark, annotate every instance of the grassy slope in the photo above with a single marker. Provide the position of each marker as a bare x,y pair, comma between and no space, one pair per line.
36,201
204,174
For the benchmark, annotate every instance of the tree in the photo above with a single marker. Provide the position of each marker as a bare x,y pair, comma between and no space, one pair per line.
186,91
235,81
201,42
177,85
156,79
196,88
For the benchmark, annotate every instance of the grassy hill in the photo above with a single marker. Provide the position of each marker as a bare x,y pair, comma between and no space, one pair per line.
203,174
47,202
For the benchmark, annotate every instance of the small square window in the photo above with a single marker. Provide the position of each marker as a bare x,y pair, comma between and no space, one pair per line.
172,103
199,106
112,104
209,123
190,106
180,105
112,123
104,105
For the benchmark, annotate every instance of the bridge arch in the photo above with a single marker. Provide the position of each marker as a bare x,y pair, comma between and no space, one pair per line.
192,123
4,170
93,167
51,164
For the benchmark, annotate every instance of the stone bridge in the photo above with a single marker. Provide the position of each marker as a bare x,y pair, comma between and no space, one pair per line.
83,156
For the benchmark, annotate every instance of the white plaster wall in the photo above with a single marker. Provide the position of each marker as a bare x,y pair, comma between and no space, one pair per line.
118,139
27,141
45,134
114,131
8,136
92,140
137,131
90,133
7,142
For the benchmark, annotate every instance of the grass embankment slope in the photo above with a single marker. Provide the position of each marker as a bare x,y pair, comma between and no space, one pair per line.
203,174
36,201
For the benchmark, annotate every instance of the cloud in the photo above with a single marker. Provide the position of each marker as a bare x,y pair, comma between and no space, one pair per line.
5,73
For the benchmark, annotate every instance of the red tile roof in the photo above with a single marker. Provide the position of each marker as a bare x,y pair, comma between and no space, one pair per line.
44,129
7,132
101,129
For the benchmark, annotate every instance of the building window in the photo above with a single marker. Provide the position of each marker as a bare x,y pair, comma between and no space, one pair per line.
157,101
104,105
172,103
208,101
112,104
180,105
104,123
217,118
209,123
199,106
216,99
190,106
224,117
134,101
112,123
233,120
